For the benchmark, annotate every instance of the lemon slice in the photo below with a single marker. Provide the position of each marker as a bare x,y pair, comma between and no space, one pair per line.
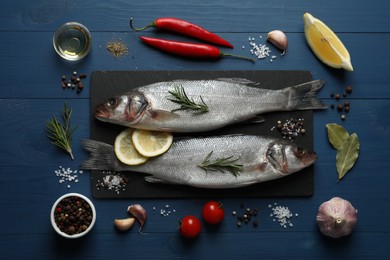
125,150
325,44
151,143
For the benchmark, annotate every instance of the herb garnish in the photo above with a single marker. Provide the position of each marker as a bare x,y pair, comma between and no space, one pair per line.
61,134
181,98
347,147
222,164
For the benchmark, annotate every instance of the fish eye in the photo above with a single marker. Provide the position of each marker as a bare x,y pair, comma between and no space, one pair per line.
112,102
299,151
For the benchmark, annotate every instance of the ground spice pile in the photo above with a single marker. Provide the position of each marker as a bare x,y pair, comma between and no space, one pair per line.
117,48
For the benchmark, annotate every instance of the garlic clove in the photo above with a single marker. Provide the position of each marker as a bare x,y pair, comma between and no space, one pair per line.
279,39
139,213
336,218
124,224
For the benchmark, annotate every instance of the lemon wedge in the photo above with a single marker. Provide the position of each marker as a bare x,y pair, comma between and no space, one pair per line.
125,150
151,143
325,44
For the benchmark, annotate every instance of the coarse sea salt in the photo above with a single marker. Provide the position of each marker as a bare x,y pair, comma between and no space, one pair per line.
282,214
166,211
67,175
261,51
112,181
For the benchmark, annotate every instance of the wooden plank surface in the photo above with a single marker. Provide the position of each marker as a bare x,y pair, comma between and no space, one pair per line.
30,94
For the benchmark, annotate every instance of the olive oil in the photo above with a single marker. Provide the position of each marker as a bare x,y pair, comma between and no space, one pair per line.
72,41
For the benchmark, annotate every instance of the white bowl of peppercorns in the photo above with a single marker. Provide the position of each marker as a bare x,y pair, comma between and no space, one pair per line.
73,215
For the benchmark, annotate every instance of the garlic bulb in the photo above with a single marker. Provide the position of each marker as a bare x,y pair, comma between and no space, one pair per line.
336,218
279,39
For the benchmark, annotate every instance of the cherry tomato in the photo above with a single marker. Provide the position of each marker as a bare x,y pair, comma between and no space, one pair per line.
213,212
190,226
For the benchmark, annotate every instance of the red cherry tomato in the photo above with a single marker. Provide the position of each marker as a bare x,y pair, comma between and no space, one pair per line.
213,212
190,227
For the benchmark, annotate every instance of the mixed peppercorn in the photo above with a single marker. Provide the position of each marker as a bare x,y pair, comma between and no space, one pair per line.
73,215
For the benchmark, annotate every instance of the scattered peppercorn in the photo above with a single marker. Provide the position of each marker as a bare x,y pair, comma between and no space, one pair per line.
342,107
246,217
73,82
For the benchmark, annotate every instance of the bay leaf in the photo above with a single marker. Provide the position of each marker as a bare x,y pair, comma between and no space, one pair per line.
337,135
347,155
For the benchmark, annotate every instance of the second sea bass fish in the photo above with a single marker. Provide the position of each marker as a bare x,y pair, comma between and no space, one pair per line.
215,104
206,162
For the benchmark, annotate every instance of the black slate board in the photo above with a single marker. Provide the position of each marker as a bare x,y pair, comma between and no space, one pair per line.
105,84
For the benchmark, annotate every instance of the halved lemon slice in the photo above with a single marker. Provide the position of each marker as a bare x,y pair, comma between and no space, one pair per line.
151,143
125,150
325,44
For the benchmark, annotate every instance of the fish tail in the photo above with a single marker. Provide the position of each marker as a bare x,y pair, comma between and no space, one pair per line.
102,156
304,96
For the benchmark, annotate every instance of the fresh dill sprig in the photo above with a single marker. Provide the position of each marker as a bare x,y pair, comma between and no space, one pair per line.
181,98
61,134
222,164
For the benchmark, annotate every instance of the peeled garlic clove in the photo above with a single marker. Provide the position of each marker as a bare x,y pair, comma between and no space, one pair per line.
139,213
279,39
336,218
124,224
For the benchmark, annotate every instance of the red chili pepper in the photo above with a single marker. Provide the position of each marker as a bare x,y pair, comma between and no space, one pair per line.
185,28
187,49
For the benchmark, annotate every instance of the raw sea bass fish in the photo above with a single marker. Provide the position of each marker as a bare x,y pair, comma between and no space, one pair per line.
261,159
228,101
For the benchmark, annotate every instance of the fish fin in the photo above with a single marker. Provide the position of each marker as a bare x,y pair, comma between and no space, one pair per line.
304,96
163,115
102,156
241,81
152,179
256,167
255,120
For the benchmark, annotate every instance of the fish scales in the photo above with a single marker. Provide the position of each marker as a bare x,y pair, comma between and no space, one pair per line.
263,159
229,101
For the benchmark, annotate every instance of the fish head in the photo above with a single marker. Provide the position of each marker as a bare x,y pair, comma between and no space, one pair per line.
288,158
126,109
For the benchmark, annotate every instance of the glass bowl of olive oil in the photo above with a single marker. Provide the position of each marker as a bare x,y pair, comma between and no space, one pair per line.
72,41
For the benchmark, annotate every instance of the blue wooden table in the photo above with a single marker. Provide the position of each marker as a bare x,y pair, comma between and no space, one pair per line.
30,94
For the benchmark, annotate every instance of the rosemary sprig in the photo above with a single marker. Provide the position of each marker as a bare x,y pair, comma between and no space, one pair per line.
222,164
61,134
180,97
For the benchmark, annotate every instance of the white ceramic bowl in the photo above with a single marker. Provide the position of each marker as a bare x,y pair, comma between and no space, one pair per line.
53,209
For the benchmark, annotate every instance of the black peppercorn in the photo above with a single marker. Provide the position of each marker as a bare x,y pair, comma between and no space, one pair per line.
348,89
340,107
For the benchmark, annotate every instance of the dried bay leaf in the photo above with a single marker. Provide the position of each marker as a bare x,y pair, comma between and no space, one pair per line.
337,135
347,155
